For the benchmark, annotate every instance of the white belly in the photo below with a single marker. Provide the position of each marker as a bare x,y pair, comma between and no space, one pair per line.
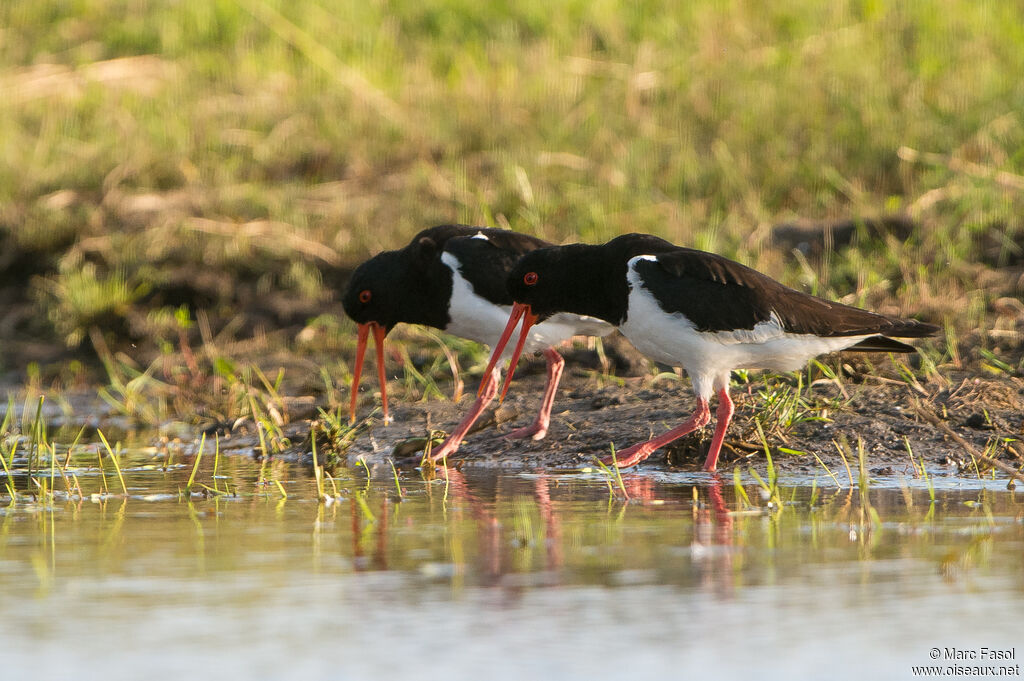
710,356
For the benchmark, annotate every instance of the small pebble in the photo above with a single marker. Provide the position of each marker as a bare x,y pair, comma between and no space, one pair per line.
977,421
602,401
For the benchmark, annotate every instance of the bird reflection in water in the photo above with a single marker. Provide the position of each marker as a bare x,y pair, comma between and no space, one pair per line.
502,553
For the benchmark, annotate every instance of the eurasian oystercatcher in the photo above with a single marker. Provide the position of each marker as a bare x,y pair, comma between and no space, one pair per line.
452,277
693,309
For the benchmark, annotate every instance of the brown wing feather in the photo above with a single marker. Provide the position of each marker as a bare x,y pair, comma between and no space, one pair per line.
717,294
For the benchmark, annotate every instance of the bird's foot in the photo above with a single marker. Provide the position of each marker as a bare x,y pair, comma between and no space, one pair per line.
535,431
445,449
630,456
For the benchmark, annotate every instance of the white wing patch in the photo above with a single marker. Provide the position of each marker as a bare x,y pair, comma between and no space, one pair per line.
762,332
476,318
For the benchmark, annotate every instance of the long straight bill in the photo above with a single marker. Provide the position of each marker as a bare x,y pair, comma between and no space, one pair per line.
357,371
519,311
529,319
378,337
513,321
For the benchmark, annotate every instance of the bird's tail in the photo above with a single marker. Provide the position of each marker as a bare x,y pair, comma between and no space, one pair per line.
881,344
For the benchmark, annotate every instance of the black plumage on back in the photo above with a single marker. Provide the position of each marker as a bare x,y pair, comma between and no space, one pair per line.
718,294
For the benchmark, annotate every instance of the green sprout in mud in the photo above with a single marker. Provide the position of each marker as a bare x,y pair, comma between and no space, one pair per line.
842,447
398,485
994,365
195,465
741,493
613,474
211,383
864,483
280,489
907,375
129,391
319,472
40,451
424,380
770,488
336,433
38,436
828,471
920,471
113,457
453,361
426,444
784,406
812,500
360,496
8,481
216,464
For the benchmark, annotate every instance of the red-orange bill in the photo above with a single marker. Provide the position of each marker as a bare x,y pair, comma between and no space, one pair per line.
519,311
513,322
378,338
357,371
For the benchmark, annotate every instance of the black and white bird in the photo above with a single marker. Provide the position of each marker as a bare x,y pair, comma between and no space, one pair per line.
452,277
696,310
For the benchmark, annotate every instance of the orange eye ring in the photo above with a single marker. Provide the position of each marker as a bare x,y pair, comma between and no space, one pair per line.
365,296
530,278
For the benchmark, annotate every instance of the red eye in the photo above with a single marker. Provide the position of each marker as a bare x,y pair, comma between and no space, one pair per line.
364,296
530,279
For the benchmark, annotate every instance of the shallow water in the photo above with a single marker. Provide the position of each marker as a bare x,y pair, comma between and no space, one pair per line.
486,574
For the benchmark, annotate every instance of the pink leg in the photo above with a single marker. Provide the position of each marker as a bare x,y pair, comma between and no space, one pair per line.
539,428
637,453
722,416
552,524
490,389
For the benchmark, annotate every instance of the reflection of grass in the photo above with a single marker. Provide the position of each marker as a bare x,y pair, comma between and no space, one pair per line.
496,529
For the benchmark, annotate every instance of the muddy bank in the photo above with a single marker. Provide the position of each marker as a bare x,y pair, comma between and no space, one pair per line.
887,416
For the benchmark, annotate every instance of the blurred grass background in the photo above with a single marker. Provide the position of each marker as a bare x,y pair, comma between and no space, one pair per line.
230,160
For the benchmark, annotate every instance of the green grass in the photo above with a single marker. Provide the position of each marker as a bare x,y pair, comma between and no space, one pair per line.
236,156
